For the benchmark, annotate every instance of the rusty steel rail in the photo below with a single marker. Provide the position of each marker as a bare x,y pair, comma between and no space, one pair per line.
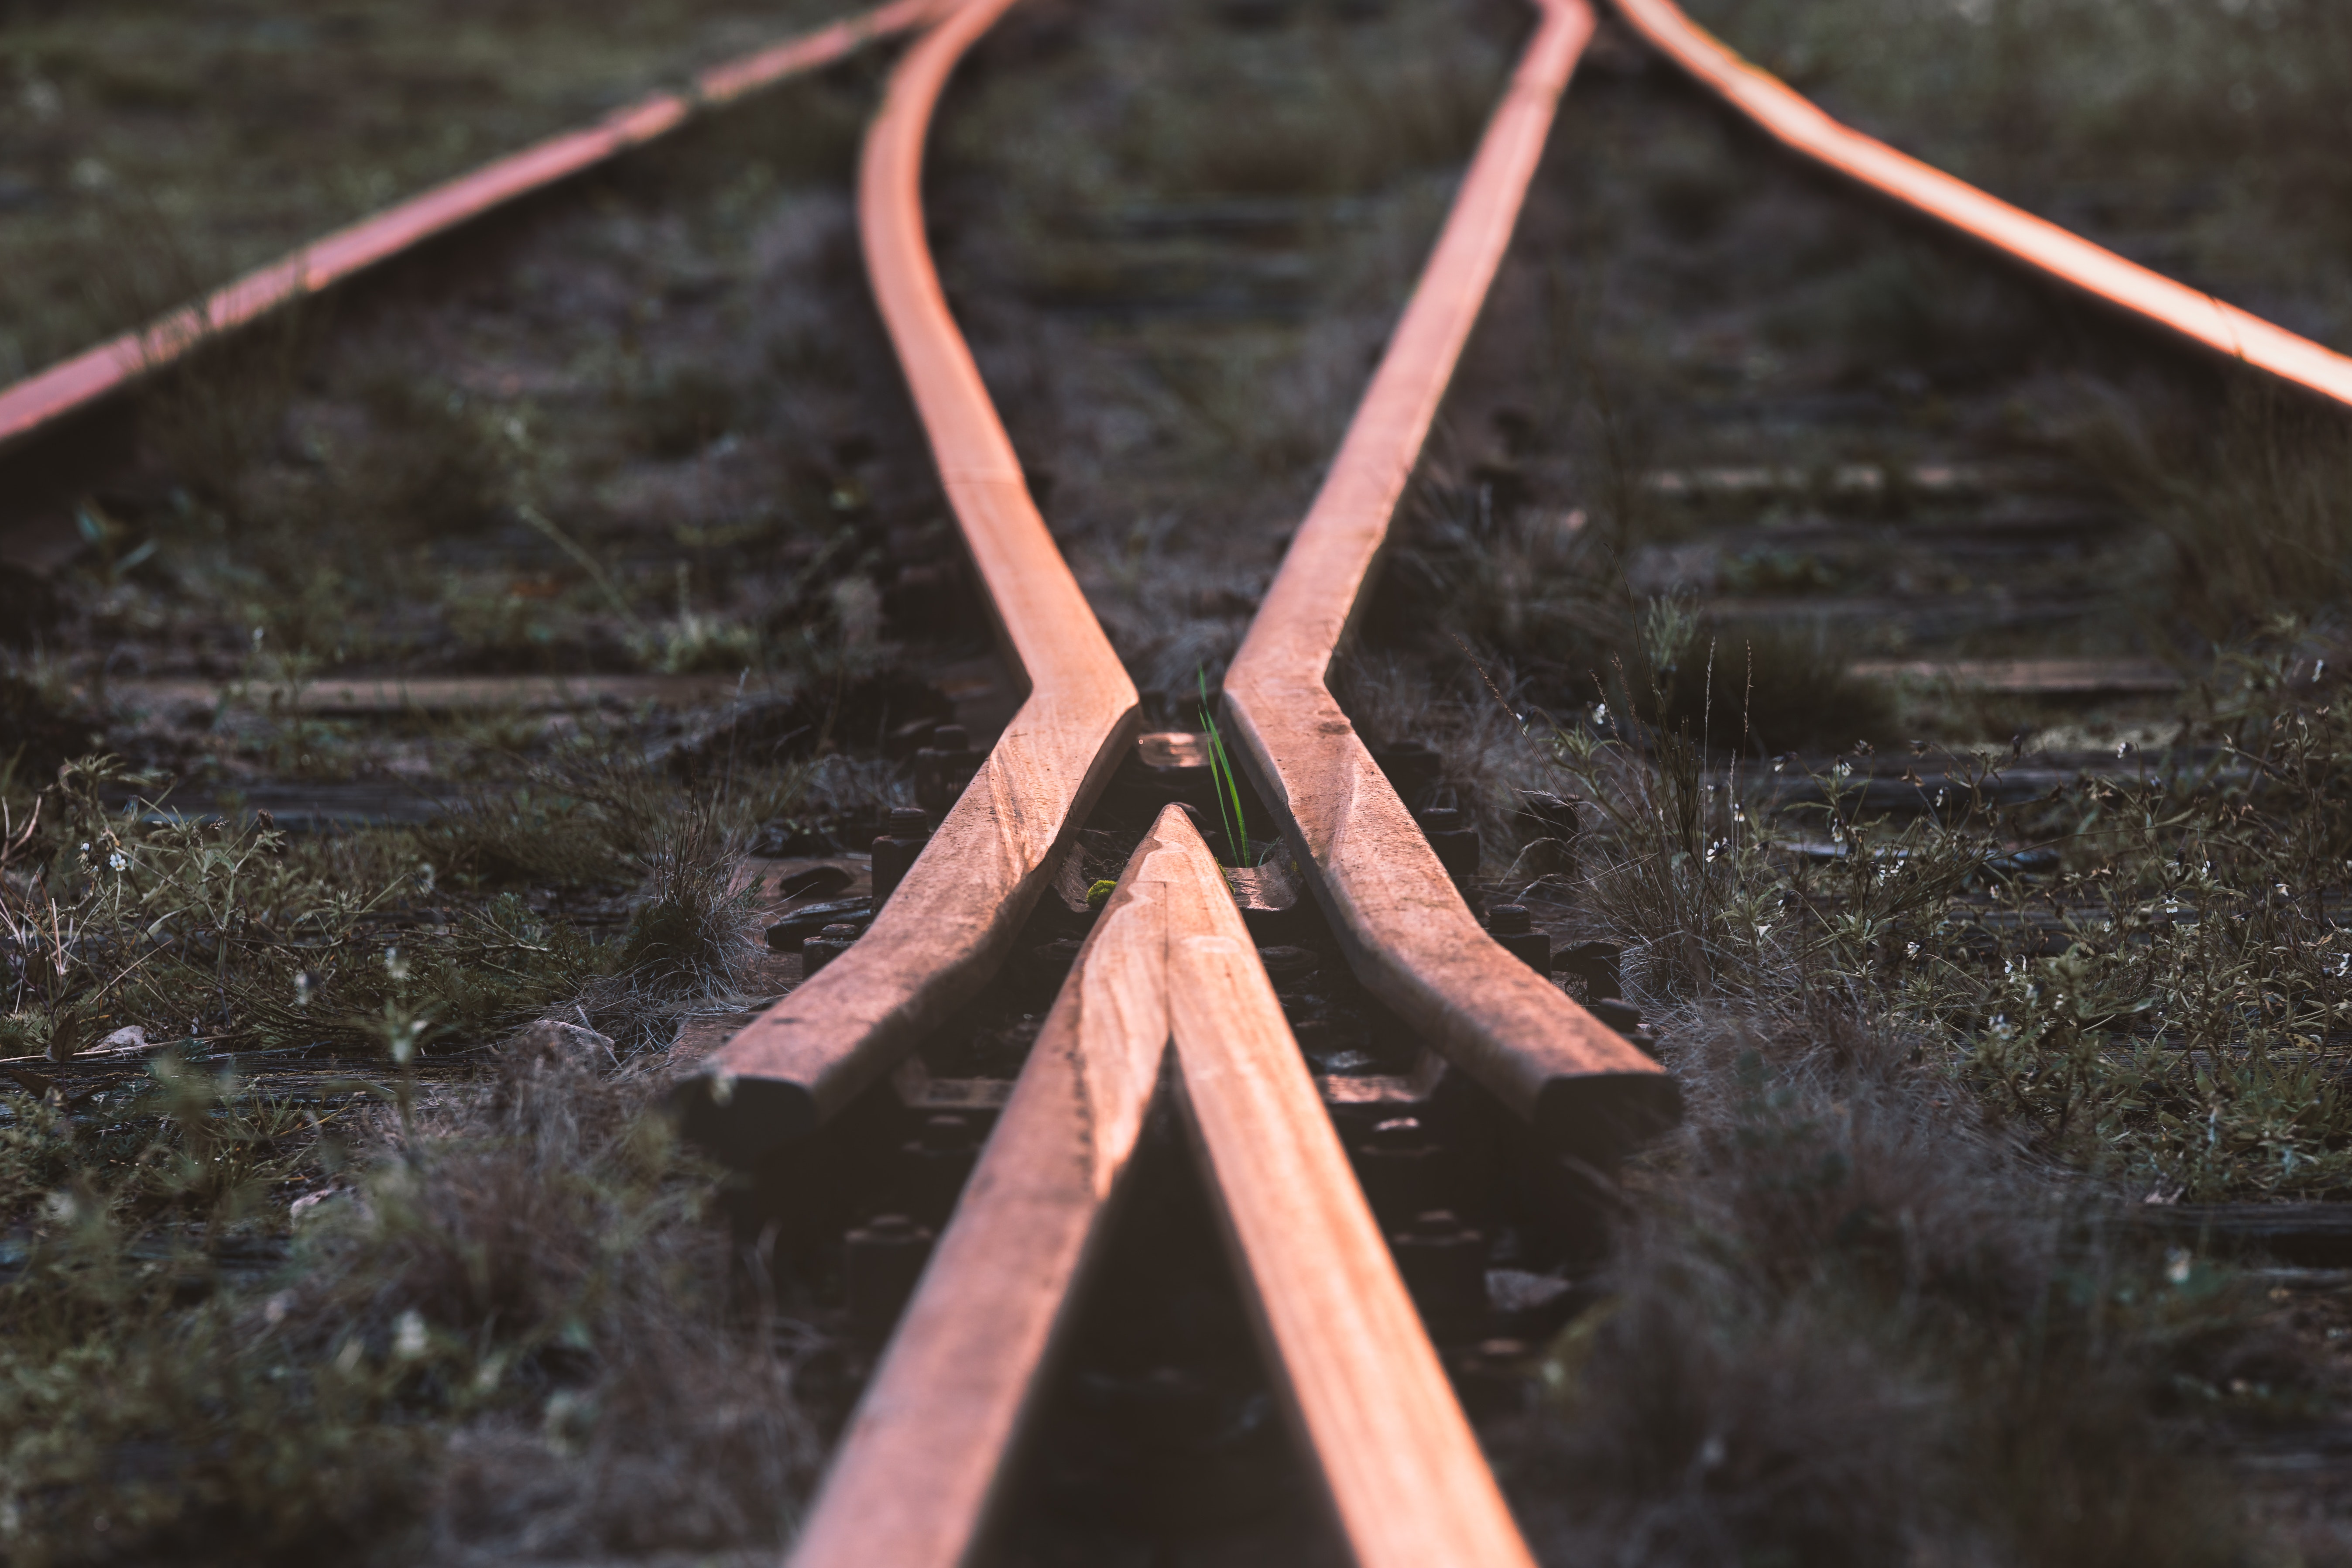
1169,964
1408,934
920,1468
1796,123
71,386
956,913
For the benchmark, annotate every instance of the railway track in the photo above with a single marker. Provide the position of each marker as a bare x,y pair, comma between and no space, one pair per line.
921,1471
1168,999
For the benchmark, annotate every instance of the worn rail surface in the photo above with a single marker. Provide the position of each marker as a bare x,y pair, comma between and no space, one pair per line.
917,1474
49,397
1409,935
953,919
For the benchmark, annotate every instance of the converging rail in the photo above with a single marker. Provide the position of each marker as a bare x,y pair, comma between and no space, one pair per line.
952,919
1796,123
1168,962
1408,934
42,400
1168,993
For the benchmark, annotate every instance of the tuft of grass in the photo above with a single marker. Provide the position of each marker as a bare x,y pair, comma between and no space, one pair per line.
2257,522
1221,774
499,1320
1848,1326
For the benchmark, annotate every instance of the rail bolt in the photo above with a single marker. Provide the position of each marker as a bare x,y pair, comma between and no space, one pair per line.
1514,928
1597,964
1288,965
1626,1019
1400,1168
904,833
944,767
825,946
1049,962
881,1263
1456,841
937,1164
1413,767
808,922
1443,1263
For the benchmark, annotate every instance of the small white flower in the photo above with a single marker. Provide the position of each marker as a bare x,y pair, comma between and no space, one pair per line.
303,985
2177,1265
117,861
1911,949
395,963
1601,712
408,1342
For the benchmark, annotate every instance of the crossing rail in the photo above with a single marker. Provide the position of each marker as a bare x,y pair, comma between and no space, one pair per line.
922,1464
1168,994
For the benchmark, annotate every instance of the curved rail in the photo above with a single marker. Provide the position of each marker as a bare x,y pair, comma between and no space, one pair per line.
1408,936
1793,120
43,399
920,1467
961,904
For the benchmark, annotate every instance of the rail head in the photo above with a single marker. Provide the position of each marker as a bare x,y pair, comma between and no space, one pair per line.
1408,933
951,921
921,1467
